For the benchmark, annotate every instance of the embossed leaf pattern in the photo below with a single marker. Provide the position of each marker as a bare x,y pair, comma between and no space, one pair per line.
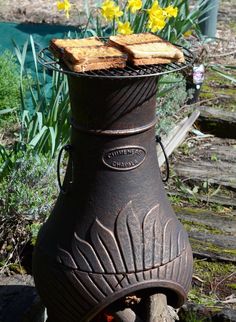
85,256
152,238
129,235
133,245
107,248
66,259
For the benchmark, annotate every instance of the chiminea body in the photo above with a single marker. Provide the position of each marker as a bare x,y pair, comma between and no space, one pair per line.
112,231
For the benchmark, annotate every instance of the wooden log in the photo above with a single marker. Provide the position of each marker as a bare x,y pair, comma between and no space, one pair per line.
159,311
126,315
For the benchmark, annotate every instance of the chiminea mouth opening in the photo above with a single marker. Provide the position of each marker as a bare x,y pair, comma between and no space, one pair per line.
138,300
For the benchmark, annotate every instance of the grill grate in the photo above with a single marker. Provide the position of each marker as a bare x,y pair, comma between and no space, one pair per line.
46,58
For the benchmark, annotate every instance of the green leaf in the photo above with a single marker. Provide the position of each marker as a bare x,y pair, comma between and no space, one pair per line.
7,110
224,74
38,137
53,140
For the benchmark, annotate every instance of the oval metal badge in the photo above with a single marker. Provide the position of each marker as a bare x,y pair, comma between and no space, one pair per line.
124,158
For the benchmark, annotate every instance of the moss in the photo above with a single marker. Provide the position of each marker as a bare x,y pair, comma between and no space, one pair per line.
193,226
232,25
217,79
230,251
188,210
195,295
232,285
212,87
204,246
209,270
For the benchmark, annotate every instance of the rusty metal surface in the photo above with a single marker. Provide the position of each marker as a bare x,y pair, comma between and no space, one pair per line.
114,232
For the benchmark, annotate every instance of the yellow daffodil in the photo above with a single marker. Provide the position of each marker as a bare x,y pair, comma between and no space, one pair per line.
157,17
171,11
134,5
188,33
124,28
65,6
155,24
110,10
155,9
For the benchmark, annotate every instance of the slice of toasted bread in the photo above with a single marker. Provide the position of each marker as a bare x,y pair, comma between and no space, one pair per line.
94,57
57,46
148,47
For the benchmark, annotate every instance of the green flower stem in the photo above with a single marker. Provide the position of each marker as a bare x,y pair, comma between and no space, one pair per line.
113,26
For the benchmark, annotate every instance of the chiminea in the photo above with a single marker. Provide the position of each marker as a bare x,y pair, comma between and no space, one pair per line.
112,232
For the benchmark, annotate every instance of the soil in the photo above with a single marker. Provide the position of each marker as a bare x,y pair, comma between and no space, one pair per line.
41,11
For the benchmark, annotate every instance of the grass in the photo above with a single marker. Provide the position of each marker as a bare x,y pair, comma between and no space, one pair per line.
212,282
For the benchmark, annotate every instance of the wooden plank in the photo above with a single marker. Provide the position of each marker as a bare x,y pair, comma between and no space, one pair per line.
224,224
211,160
222,174
218,114
216,199
176,137
211,235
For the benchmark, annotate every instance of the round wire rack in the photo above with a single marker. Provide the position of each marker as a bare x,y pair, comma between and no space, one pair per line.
46,58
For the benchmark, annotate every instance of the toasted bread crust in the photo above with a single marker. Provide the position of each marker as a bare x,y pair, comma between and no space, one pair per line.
91,41
95,66
151,61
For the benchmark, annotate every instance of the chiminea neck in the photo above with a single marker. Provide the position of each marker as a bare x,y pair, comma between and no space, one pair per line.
113,106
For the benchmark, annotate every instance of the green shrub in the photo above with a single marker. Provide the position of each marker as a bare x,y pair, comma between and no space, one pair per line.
27,194
9,81
171,96
29,188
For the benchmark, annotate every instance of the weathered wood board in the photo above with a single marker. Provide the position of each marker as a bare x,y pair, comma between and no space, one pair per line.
211,235
212,160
